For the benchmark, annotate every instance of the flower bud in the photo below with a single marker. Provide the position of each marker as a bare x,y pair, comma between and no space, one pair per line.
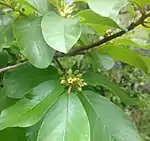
69,16
69,72
62,81
80,75
76,72
79,89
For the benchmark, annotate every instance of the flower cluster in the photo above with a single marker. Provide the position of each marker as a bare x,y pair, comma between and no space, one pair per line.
73,80
67,11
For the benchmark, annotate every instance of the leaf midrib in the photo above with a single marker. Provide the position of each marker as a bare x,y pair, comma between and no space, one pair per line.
96,114
31,108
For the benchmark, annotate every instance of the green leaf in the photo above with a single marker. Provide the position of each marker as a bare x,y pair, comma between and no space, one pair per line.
125,55
132,11
99,28
21,80
32,107
98,79
141,3
101,61
106,61
108,122
99,23
31,42
40,5
129,43
61,34
4,57
81,0
13,134
65,121
5,101
32,132
6,34
84,38
56,3
147,62
29,9
107,8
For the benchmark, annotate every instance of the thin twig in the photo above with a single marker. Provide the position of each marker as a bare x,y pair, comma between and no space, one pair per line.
81,50
84,49
12,67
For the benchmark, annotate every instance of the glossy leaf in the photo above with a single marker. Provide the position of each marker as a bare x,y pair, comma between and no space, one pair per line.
82,0
32,107
6,34
29,9
20,81
98,79
32,132
99,23
31,42
106,62
132,11
4,57
108,122
107,8
61,34
125,55
40,5
13,134
65,121
5,101
101,61
56,3
141,3
129,43
146,59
